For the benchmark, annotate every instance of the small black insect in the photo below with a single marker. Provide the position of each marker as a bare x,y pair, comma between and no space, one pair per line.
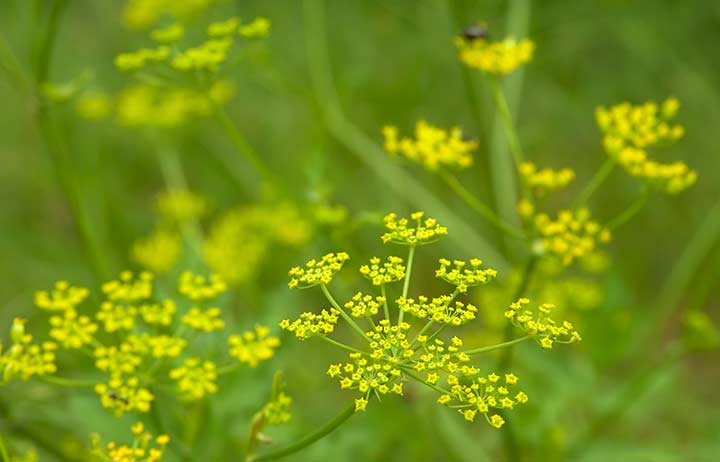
478,31
117,397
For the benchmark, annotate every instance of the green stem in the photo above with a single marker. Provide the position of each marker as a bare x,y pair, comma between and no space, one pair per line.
385,302
510,132
307,440
242,145
227,369
497,347
345,316
632,210
3,450
598,179
480,207
342,345
411,374
63,382
406,284
506,358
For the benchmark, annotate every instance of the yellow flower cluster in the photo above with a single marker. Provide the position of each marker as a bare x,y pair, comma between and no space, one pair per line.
135,60
124,394
168,35
494,58
240,240
277,411
196,378
539,325
630,130
144,447
545,180
457,273
432,147
158,252
181,205
253,347
571,235
141,14
120,359
208,56
317,271
363,305
149,105
200,288
439,309
482,394
72,330
61,298
208,320
390,357
390,271
123,295
158,313
310,324
25,359
424,232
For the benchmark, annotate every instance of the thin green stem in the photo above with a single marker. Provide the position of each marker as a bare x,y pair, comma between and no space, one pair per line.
307,440
343,313
595,182
411,374
342,345
480,207
385,301
506,358
406,284
498,346
510,132
242,145
632,210
3,450
63,382
228,369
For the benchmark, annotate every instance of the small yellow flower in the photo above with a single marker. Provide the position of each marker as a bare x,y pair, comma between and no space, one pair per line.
258,28
195,378
424,232
360,404
317,272
494,58
253,346
61,298
384,272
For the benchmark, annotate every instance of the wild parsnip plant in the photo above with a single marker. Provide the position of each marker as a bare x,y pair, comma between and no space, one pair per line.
208,145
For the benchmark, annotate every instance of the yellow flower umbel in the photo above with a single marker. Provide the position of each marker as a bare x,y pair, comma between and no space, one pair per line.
494,58
394,351
571,235
432,147
195,378
629,131
123,394
25,359
317,271
200,288
158,252
546,180
424,232
181,205
124,295
72,330
253,347
539,325
61,298
144,447
141,14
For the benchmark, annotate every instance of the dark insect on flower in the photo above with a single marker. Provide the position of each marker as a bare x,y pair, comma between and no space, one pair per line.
116,397
477,31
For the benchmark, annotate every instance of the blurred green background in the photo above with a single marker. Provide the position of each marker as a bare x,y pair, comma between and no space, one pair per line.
393,62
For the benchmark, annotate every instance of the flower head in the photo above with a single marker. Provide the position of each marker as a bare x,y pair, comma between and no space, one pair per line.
571,235
462,275
196,378
144,447
310,324
253,346
539,325
425,231
494,58
317,272
201,288
432,147
383,272
124,394
159,251
546,180
72,330
62,297
204,320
